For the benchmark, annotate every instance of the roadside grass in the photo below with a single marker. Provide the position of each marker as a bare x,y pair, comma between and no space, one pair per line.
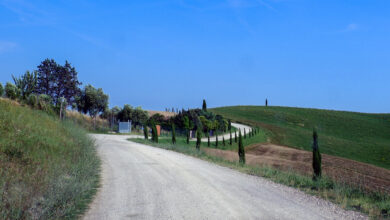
357,136
99,126
376,205
48,169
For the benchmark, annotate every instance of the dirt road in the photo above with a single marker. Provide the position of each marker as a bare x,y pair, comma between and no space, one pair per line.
143,182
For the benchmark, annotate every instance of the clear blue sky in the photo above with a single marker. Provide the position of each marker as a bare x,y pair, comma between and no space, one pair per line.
156,54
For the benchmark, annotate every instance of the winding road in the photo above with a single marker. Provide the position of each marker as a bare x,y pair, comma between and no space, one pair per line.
144,182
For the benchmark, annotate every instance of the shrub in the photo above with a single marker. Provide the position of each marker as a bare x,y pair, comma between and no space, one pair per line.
11,91
32,100
173,134
241,150
316,156
1,90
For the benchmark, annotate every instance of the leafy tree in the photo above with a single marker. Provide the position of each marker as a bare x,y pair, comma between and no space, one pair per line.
198,138
146,133
57,81
235,136
316,157
204,106
173,134
139,117
92,101
26,83
241,150
11,91
231,140
1,90
223,140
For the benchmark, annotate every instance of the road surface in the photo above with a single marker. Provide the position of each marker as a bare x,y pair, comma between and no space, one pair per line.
143,182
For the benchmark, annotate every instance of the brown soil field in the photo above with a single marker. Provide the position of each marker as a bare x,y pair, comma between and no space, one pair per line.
342,170
163,113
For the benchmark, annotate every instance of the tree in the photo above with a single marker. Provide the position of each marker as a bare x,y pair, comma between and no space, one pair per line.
266,102
1,90
186,122
146,132
198,138
208,139
244,133
154,133
223,140
57,81
229,125
204,106
26,83
11,91
253,131
231,140
241,150
216,138
316,157
235,136
92,101
173,134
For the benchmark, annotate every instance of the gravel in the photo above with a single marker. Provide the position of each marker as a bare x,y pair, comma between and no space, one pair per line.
143,182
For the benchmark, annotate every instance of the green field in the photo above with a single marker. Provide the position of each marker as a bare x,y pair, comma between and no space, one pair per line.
48,169
357,136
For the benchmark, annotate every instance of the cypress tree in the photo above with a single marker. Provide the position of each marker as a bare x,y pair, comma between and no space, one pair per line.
154,133
216,138
188,136
231,141
249,134
204,106
316,157
173,134
235,136
146,134
223,140
253,132
244,133
266,102
208,139
1,90
241,150
198,139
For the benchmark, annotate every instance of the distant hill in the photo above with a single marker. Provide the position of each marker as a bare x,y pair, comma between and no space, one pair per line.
357,136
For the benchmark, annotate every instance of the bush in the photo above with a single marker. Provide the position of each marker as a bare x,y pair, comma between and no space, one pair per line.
44,103
11,91
32,100
1,90
241,150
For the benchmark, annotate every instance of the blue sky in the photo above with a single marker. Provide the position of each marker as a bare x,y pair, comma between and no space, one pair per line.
155,54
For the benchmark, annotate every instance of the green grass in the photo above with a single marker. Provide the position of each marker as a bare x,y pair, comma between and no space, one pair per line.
348,197
48,169
357,136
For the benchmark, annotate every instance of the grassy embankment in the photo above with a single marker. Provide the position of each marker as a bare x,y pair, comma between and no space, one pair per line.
357,136
48,169
375,204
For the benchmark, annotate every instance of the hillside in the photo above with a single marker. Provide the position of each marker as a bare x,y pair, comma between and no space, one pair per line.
357,136
49,169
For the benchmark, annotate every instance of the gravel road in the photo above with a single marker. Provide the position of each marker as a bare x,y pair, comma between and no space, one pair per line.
143,182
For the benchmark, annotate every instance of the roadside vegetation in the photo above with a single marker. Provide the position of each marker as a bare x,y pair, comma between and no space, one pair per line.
376,205
48,168
357,136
